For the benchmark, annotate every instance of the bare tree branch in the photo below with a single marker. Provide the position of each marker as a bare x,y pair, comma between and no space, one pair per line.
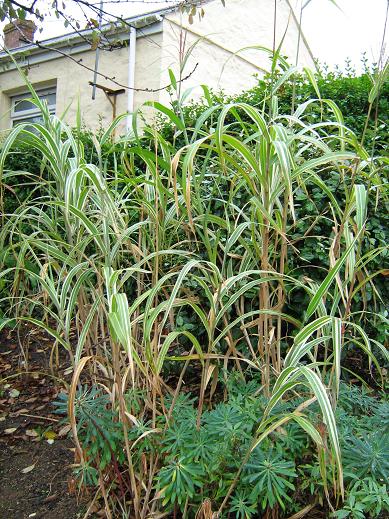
109,78
103,42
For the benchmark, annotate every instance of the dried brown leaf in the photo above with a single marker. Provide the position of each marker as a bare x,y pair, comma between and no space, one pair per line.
28,469
64,431
11,430
32,433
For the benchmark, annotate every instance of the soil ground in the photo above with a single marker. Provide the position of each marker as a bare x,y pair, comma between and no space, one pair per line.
35,454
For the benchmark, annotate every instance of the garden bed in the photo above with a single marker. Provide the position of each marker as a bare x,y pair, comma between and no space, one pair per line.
36,457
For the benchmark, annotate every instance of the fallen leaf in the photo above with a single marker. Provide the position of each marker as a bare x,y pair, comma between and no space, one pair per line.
28,469
50,435
11,430
32,433
2,418
64,431
51,498
14,393
31,400
19,412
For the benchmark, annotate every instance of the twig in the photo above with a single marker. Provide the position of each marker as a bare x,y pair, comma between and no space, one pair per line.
112,79
39,417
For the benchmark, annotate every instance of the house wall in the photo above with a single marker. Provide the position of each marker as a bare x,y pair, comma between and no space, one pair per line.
215,60
73,82
223,32
148,79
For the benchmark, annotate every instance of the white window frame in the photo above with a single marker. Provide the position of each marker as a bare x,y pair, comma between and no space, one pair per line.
32,112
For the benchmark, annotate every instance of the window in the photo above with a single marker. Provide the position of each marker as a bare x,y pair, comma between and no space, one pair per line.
23,110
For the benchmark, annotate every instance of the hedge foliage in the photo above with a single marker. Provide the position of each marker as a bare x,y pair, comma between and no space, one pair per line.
350,93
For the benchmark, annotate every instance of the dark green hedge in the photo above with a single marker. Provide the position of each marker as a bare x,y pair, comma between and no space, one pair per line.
351,95
349,92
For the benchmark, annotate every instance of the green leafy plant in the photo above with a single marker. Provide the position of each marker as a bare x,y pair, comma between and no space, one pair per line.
209,294
177,481
243,505
98,427
368,456
365,498
271,478
370,496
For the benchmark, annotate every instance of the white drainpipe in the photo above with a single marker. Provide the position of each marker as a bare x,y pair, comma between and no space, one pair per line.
131,76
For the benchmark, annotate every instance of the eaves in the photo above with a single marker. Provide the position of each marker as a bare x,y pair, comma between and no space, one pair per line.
77,42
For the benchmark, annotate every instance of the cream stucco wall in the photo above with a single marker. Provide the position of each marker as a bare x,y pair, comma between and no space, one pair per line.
73,87
148,80
223,32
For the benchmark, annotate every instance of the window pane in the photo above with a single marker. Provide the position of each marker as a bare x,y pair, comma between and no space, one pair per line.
50,98
32,119
23,104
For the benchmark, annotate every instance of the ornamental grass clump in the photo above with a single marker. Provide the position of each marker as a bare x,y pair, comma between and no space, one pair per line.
166,273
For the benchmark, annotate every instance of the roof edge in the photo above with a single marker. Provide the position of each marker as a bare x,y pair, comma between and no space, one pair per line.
109,29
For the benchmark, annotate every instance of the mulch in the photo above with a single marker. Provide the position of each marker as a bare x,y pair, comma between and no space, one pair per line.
36,453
